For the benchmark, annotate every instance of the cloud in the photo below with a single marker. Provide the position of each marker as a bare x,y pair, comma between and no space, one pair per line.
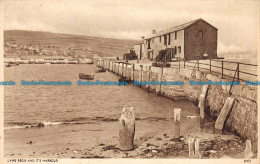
237,21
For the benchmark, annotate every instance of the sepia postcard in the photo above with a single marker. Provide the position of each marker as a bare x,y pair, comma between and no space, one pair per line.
132,81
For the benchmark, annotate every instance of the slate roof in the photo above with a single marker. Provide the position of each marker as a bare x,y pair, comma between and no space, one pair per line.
177,28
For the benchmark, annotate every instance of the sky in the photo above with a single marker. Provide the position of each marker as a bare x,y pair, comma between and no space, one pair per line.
237,21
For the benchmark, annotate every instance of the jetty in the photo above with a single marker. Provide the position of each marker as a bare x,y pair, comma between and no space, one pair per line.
236,105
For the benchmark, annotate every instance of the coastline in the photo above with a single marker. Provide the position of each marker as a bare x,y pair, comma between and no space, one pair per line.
153,139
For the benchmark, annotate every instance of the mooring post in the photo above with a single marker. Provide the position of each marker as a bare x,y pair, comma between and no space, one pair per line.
201,106
194,148
160,76
149,77
248,150
140,74
197,148
122,70
118,70
127,129
133,72
223,114
177,122
191,148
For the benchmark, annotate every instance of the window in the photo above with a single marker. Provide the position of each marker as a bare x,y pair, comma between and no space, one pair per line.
160,39
165,40
172,52
175,50
149,45
179,49
175,35
169,41
201,36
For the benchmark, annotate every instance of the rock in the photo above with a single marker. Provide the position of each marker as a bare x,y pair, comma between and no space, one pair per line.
154,151
158,139
30,142
212,151
40,124
75,151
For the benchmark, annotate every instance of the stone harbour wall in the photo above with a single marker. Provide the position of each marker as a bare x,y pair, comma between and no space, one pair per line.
242,119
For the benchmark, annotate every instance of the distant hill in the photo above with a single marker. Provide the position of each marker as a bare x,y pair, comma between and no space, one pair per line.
97,45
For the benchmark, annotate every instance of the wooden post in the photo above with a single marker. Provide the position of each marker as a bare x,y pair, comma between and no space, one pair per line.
160,75
248,150
202,103
238,71
149,77
201,106
191,147
177,122
118,69
222,66
133,72
141,73
194,148
127,129
197,148
223,114
122,69
210,66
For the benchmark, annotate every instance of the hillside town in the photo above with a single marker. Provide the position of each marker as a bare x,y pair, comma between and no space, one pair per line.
15,50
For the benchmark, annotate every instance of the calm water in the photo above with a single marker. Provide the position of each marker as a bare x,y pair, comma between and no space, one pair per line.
28,105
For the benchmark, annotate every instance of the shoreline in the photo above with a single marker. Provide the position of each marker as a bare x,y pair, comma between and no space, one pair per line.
153,139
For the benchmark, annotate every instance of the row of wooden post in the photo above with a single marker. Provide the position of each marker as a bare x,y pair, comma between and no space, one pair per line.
127,122
127,127
127,133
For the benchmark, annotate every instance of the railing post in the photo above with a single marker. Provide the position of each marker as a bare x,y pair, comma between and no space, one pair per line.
179,65
209,66
198,65
222,69
238,71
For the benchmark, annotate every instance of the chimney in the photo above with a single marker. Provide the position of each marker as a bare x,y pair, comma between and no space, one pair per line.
154,32
143,39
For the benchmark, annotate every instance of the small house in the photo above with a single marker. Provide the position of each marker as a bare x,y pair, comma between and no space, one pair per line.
193,40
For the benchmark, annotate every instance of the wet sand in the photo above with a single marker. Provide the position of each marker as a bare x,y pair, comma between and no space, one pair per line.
153,139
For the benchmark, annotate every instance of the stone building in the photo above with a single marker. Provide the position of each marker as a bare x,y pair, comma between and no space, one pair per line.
193,40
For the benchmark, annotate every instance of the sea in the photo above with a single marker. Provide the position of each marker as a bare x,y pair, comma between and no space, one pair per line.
29,106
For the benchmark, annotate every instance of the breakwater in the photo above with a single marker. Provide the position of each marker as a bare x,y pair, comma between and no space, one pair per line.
45,61
242,118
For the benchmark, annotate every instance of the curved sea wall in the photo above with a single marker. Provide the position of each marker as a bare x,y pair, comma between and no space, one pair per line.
242,118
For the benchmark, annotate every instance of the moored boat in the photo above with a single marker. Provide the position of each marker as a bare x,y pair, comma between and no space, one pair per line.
101,70
11,64
85,76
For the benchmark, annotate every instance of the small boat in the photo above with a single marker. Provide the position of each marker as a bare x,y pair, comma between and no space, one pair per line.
101,70
124,79
12,64
85,76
